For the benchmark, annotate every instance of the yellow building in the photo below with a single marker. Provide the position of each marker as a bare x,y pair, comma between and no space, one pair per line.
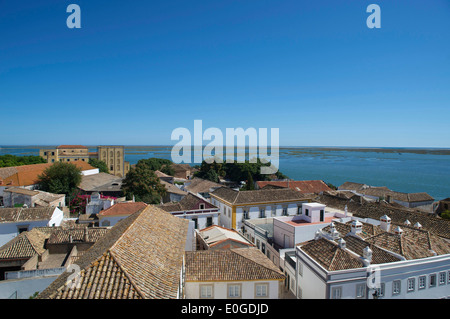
237,206
113,156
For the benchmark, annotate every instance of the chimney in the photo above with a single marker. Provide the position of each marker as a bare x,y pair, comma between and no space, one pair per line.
398,231
85,235
70,239
385,223
418,225
367,254
342,243
407,223
356,227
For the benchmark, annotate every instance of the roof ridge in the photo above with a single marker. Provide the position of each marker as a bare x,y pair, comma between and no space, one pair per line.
253,261
112,254
129,226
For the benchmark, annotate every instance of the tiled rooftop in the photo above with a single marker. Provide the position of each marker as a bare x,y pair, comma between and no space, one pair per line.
230,265
140,257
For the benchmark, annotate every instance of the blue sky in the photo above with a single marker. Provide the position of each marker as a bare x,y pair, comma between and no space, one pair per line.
137,70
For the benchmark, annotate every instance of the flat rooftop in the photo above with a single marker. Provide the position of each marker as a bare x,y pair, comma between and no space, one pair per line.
301,222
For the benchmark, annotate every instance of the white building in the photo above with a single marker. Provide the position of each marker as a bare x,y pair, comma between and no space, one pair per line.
14,221
237,206
366,259
202,213
248,275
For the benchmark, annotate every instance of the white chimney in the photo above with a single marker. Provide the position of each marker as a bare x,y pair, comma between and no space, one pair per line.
385,223
398,231
367,253
407,223
356,227
418,225
342,243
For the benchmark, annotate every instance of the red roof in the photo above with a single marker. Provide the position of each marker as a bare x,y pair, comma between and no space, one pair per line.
304,187
120,209
26,175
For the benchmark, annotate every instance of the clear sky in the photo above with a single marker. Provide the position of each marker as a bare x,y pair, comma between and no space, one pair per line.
136,70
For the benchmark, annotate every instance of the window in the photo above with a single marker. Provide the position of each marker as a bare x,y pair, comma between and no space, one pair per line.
261,290
336,293
245,214
299,294
300,269
263,248
45,153
209,221
234,291
206,291
442,278
299,210
262,213
202,206
21,229
432,280
360,291
195,222
422,282
257,243
411,284
380,291
307,212
285,211
396,287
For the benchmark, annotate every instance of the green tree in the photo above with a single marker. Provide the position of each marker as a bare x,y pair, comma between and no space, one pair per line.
168,169
250,184
9,160
445,214
101,165
154,163
60,178
142,183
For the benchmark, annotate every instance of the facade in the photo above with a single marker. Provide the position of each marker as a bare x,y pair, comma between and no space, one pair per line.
14,221
366,259
112,215
194,208
421,201
237,206
17,196
278,235
200,187
32,260
245,274
173,193
113,156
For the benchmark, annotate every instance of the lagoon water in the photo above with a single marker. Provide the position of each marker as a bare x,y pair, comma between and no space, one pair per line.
403,170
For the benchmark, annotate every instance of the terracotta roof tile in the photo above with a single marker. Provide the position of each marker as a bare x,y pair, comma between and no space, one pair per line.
230,265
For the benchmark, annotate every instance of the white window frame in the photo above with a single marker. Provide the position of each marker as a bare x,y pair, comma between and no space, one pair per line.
396,284
411,284
300,269
234,291
336,292
424,279
204,293
381,290
442,278
360,291
435,281
261,290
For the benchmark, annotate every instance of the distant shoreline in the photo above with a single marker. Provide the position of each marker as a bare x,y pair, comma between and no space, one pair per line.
399,150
